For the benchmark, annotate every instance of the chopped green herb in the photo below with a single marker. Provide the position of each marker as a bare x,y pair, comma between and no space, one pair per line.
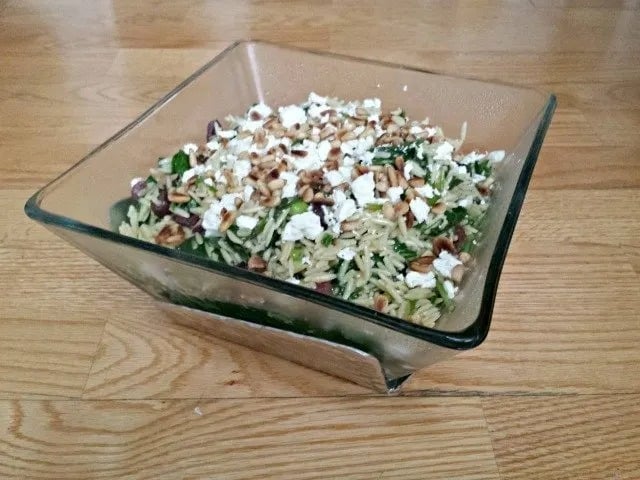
150,179
327,240
297,254
298,207
455,181
403,250
482,167
373,207
180,163
456,215
356,293
433,200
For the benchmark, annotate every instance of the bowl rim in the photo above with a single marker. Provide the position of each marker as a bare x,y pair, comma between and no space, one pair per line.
470,337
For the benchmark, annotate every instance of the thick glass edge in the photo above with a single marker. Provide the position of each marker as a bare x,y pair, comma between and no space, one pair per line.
464,339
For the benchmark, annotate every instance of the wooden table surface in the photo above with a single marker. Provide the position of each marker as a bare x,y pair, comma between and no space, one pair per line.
96,383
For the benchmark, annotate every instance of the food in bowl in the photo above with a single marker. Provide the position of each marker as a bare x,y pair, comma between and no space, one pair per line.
338,196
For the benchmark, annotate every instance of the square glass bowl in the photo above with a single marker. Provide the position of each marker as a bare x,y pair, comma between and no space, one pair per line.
324,332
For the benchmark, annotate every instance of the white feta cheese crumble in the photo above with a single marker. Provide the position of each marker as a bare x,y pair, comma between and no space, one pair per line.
219,177
290,188
302,225
461,170
245,221
190,148
136,181
445,263
496,156
227,133
358,130
420,209
345,210
443,151
425,191
472,158
241,169
317,111
293,280
290,115
213,144
465,202
315,98
261,109
408,166
449,288
228,200
323,149
367,158
363,189
476,177
209,182
346,254
372,104
393,194
192,172
422,280
334,177
247,192
211,220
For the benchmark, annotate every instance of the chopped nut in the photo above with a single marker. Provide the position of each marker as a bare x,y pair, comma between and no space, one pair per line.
263,189
457,273
362,169
464,257
442,243
256,263
276,184
484,189
177,197
170,235
272,201
392,128
388,211
393,175
382,139
382,187
306,193
422,264
416,182
228,217
380,302
409,194
401,208
439,208
349,226
267,158
399,163
319,198
410,219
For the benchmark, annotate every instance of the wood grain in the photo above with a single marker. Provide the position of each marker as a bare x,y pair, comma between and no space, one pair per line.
96,382
247,439
592,436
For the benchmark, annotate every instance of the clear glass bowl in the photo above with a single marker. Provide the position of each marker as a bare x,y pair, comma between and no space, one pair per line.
81,205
